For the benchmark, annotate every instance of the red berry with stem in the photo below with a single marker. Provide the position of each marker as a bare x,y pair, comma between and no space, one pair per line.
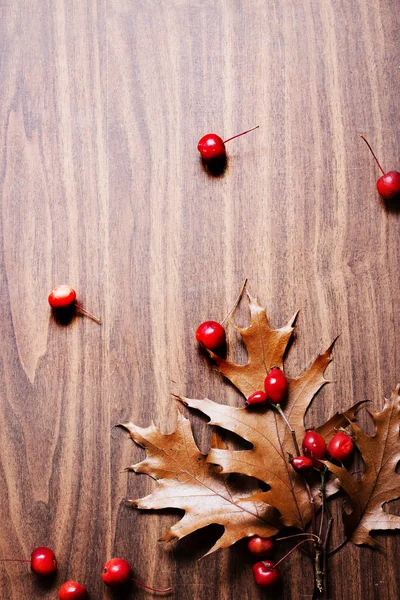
276,385
71,590
211,335
265,574
314,447
259,397
341,446
260,547
389,184
212,146
43,561
118,572
64,296
302,465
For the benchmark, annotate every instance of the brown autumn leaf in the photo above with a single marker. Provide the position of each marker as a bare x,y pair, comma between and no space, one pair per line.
380,483
266,431
185,480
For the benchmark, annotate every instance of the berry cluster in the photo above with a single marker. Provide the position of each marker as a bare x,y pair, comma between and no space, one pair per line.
117,572
211,335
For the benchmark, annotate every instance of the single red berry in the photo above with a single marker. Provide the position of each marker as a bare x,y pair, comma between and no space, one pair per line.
276,385
388,185
43,561
302,465
259,397
71,590
62,296
116,571
265,574
260,547
341,446
211,335
314,447
212,146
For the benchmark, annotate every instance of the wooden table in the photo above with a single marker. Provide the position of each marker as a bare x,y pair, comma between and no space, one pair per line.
102,104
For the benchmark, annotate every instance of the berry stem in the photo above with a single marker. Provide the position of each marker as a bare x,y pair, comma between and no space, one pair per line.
292,550
21,560
288,537
167,590
373,153
292,431
88,314
232,310
296,445
239,134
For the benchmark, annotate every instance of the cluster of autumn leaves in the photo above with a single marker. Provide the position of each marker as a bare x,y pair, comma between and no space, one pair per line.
200,484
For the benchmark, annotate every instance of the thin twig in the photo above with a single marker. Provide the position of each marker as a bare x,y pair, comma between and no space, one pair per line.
232,310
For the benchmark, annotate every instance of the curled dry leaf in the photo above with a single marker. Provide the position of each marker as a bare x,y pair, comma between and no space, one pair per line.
380,483
185,480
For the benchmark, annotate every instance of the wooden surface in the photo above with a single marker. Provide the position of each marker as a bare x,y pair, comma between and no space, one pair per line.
102,104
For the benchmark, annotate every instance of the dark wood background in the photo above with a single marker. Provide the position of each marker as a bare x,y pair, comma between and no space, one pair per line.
102,105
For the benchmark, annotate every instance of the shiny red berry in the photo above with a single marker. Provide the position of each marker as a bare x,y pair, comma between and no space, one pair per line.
276,385
116,571
302,465
265,575
260,547
259,397
211,335
388,185
314,447
341,446
62,296
43,561
212,146
71,590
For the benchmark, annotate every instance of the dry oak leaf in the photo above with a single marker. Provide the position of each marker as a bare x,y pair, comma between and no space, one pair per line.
185,480
266,431
380,483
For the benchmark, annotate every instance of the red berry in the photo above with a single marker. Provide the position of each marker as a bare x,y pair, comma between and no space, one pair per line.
116,571
389,184
212,146
341,446
259,397
265,575
302,465
72,591
62,296
43,561
314,447
260,547
276,385
211,335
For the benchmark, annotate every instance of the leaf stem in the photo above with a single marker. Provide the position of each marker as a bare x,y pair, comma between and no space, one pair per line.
232,310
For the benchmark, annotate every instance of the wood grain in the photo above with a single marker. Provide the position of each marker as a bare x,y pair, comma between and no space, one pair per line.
101,187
